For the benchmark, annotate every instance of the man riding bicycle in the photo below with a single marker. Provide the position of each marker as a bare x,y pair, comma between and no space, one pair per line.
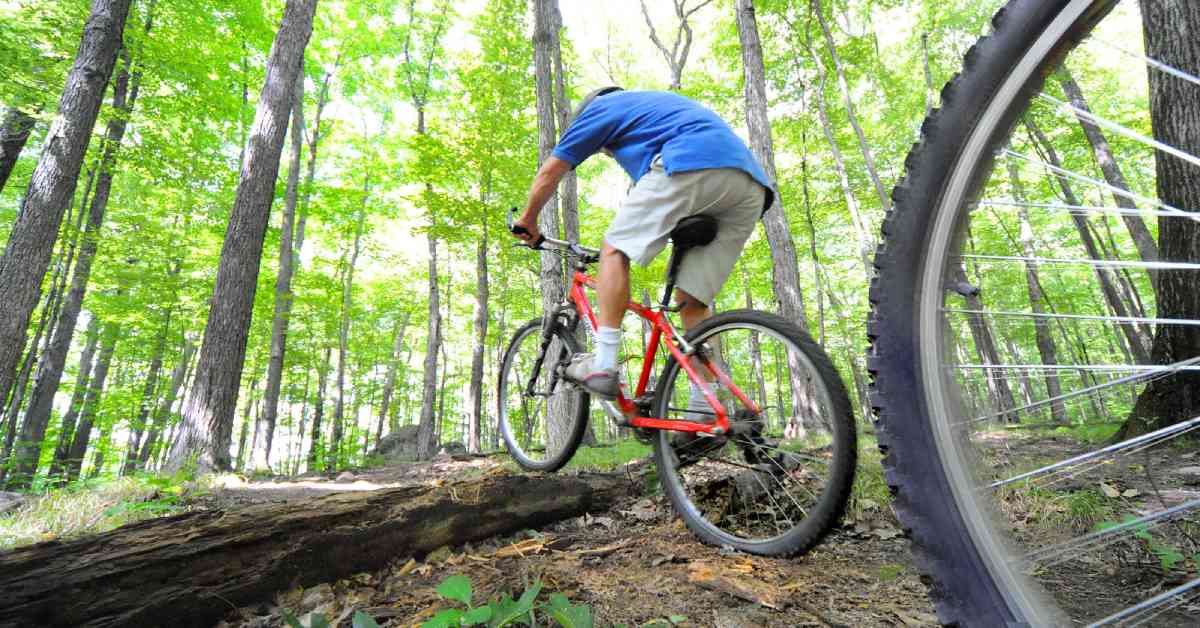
684,161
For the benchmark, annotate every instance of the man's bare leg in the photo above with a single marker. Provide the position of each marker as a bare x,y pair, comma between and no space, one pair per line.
612,287
612,295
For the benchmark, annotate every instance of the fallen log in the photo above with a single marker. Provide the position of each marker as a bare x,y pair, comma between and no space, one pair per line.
191,569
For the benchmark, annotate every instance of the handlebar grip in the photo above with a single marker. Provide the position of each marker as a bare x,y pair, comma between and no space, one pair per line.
519,230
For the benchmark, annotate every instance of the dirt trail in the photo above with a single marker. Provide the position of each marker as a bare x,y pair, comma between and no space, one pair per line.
635,565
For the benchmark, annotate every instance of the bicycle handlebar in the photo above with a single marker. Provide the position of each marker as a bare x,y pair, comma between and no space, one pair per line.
583,252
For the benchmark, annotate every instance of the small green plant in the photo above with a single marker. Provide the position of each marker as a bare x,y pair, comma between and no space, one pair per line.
1168,554
505,611
318,620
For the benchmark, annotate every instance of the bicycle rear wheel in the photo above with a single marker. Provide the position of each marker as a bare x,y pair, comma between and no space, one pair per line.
1028,324
780,480
542,416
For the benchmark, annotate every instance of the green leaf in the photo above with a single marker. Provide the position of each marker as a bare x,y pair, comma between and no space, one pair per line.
506,611
568,615
317,620
677,619
457,587
477,616
363,620
449,618
291,620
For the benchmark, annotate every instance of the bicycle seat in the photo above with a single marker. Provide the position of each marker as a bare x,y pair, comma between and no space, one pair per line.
694,231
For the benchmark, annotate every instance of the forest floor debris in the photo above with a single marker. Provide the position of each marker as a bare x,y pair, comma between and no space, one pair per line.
635,565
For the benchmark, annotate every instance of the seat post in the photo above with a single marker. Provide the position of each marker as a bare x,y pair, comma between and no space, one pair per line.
672,268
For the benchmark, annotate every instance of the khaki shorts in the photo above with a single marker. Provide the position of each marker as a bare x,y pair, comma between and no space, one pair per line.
659,201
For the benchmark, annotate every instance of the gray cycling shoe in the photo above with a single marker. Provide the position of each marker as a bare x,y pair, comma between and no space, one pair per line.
603,383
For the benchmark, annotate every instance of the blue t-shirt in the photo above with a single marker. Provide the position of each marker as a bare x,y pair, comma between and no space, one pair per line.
636,126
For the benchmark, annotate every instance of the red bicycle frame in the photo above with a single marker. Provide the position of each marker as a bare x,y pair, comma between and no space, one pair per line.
662,332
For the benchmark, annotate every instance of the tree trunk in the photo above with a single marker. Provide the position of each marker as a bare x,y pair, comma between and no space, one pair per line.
885,201
14,407
14,132
208,412
985,347
37,416
314,446
1045,341
1108,283
784,264
569,190
1170,31
335,445
1142,238
247,419
148,392
52,186
552,281
866,243
77,397
163,412
182,564
91,403
475,387
389,382
288,256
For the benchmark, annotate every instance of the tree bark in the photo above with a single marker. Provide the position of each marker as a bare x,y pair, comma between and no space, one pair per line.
1045,341
163,412
885,201
288,257
77,397
208,412
14,133
1142,238
314,446
985,347
37,417
247,419
475,387
866,242
552,279
1170,31
784,263
389,382
91,403
149,390
1107,279
179,576
52,186
335,444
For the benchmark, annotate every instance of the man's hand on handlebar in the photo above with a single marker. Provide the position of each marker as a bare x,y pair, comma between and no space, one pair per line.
526,229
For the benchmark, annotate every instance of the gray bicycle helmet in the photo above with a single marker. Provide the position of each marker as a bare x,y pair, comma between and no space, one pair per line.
587,100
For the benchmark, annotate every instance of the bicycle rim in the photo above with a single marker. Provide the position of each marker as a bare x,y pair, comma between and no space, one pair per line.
541,431
1023,287
780,481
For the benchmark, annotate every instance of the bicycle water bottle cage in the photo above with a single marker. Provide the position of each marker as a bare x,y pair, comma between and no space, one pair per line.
690,233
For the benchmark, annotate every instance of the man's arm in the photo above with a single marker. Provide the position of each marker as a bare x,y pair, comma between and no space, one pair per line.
544,184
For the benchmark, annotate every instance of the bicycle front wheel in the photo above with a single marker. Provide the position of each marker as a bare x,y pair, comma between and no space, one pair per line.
779,481
542,416
1036,322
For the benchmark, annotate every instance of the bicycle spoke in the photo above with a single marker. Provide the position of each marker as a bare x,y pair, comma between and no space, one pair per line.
1087,116
1155,437
1062,552
1151,608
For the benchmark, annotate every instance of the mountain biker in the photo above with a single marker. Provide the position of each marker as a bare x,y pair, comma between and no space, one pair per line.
684,160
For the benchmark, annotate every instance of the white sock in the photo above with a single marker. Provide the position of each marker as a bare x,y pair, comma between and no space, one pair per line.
608,341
